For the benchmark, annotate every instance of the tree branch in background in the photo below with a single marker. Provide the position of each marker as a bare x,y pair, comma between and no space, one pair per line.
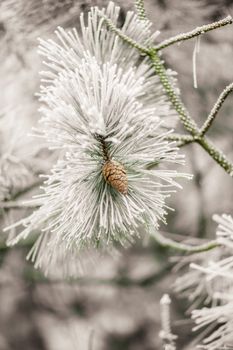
169,243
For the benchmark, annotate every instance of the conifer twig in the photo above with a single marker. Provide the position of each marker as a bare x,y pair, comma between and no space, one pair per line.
176,101
181,139
216,109
194,33
118,32
185,118
139,5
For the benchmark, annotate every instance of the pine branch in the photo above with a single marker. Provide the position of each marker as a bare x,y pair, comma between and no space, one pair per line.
185,118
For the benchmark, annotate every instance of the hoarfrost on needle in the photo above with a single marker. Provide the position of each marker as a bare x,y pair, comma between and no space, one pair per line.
98,105
212,278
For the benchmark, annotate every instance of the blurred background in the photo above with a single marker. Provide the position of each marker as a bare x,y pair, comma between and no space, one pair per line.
116,306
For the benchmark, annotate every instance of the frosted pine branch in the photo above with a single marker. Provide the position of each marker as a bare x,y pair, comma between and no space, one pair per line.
106,112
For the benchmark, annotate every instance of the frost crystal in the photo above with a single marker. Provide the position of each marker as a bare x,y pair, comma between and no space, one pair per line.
106,47
218,275
100,103
221,318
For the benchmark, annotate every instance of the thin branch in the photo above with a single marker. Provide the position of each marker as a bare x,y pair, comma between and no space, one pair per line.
139,5
175,99
185,142
179,137
195,32
185,118
124,37
216,109
216,154
182,140
169,243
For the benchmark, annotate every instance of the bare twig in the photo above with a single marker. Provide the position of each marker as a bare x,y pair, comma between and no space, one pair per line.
179,138
216,109
169,243
185,118
118,32
139,5
194,33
